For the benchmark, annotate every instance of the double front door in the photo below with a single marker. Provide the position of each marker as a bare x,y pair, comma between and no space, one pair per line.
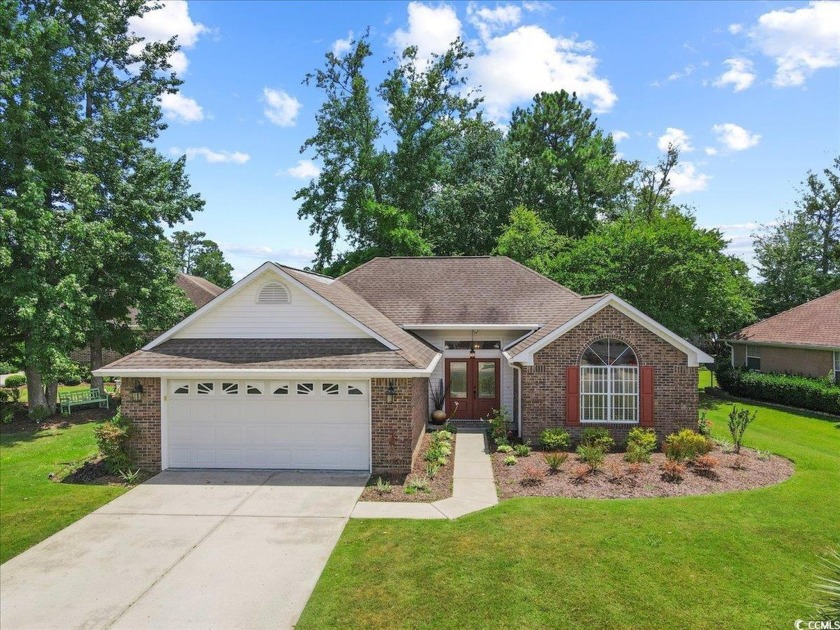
473,387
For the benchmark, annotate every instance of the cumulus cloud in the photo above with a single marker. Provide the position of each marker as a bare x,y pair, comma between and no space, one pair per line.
181,108
740,74
305,169
281,108
675,137
619,135
734,29
341,46
431,29
172,19
734,137
211,156
710,151
685,178
487,20
800,41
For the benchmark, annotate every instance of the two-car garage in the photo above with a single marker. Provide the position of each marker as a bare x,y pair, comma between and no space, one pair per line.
295,424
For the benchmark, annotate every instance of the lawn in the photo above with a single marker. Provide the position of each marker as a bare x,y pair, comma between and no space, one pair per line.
32,507
744,559
706,378
66,389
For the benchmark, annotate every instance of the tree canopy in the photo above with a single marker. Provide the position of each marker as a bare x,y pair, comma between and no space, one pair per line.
197,255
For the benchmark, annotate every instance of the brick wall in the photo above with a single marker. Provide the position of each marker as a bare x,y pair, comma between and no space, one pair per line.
146,417
544,384
396,428
818,363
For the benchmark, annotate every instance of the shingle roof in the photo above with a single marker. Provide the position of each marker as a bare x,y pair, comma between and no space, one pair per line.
460,290
815,323
198,290
562,316
267,354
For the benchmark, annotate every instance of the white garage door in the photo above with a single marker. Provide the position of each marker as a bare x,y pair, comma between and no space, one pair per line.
305,424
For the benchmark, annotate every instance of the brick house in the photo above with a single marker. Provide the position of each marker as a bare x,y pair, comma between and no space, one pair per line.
802,340
291,369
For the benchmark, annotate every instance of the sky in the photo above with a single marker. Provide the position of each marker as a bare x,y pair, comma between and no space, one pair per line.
750,91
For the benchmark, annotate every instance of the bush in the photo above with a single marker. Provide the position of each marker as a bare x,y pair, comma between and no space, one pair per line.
816,394
597,436
522,450
383,486
112,438
432,469
828,585
614,472
581,472
704,425
555,460
417,483
673,471
442,434
705,465
739,420
15,380
555,439
499,425
591,455
686,444
510,460
642,439
532,475
504,448
7,368
636,455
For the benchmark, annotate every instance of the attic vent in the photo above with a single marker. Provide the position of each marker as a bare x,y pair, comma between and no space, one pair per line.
273,293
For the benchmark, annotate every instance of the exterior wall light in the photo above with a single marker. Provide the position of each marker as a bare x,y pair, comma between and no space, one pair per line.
390,392
137,392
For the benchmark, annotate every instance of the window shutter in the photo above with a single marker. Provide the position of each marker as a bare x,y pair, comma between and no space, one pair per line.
573,395
646,396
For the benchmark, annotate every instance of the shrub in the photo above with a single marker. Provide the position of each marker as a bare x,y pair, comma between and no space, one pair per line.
581,472
634,469
112,438
642,439
614,472
673,471
499,424
816,394
555,439
504,448
15,380
449,428
828,584
417,483
591,455
725,446
739,463
10,395
686,444
129,477
71,381
442,434
510,460
7,368
636,455
739,420
432,469
383,486
763,455
532,475
704,425
597,436
522,450
705,465
555,460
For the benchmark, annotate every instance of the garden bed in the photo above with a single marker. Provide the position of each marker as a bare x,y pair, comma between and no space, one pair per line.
439,488
619,480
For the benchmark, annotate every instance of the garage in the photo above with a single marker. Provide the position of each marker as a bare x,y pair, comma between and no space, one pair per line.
295,424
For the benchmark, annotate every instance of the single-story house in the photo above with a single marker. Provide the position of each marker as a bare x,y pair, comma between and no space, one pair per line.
292,369
803,340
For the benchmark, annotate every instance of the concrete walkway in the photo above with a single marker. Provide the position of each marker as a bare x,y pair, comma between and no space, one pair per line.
473,487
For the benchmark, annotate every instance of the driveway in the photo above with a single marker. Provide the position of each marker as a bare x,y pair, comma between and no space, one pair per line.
220,549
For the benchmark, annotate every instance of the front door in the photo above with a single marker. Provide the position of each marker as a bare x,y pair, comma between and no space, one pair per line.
473,387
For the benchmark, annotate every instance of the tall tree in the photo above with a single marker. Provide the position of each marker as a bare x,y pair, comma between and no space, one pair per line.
531,241
199,256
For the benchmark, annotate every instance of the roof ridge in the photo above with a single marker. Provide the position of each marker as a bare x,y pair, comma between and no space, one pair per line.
306,271
536,273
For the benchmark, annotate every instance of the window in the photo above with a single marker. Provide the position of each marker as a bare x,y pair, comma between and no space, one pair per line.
273,293
231,389
352,390
609,383
330,389
837,367
182,389
204,388
305,389
477,345
753,360
281,389
253,388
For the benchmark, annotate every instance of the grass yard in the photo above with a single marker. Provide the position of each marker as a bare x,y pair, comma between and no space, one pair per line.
32,507
66,389
706,378
745,559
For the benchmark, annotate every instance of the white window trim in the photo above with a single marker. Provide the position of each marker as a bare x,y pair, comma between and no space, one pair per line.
837,366
747,356
609,394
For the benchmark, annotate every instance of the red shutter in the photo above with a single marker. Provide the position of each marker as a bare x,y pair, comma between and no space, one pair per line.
573,395
646,396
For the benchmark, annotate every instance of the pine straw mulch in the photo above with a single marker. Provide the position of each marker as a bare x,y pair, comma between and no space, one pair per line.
620,480
441,485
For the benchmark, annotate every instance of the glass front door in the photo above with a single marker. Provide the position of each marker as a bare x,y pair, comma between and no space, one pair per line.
473,387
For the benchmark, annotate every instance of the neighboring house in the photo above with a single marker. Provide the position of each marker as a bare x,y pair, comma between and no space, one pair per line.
198,290
803,340
291,369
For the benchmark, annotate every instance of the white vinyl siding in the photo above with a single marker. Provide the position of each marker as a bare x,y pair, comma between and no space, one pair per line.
242,316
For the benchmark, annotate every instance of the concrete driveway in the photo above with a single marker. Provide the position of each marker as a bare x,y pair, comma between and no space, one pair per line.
209,549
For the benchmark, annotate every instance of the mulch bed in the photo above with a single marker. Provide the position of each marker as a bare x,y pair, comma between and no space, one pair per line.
614,481
441,485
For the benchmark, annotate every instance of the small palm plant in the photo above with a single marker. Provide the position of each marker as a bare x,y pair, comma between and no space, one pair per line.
828,585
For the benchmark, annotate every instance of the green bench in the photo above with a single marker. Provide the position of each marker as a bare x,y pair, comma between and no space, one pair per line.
84,397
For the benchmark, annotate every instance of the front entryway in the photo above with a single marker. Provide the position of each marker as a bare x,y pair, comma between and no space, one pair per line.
473,387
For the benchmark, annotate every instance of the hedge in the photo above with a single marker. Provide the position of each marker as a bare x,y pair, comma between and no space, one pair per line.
15,380
816,394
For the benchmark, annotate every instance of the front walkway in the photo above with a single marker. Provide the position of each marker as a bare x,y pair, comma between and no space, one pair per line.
473,487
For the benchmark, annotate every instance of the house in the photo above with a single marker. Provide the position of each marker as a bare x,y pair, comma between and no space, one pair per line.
803,340
291,369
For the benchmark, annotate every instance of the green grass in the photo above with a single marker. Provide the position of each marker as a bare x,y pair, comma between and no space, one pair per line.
744,559
706,378
65,389
32,507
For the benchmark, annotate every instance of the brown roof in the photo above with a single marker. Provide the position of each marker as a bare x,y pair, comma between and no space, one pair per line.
268,354
562,316
815,323
198,290
460,290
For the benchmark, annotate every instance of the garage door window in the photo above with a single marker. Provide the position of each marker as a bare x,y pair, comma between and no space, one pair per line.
253,388
305,389
281,389
230,389
181,388
204,389
329,389
352,390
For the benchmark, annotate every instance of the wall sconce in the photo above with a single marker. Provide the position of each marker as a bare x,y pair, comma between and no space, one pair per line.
137,392
390,392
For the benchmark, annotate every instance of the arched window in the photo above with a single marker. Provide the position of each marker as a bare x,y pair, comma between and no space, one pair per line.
273,293
609,383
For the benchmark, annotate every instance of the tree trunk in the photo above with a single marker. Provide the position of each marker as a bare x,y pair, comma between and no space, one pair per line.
38,405
52,395
96,382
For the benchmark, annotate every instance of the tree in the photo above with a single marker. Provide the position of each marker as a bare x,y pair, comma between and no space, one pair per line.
531,241
200,256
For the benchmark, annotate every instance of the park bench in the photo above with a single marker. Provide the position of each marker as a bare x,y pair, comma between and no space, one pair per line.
84,397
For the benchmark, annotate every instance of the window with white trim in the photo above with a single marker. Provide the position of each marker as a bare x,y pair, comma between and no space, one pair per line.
609,383
280,389
329,389
181,388
230,389
353,390
204,389
837,367
753,358
305,389
254,388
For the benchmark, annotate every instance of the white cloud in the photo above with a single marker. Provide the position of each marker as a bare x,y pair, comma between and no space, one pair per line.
341,46
740,74
487,20
282,109
734,29
800,41
431,29
619,135
686,179
734,137
211,156
710,151
687,71
172,19
676,137
305,169
181,108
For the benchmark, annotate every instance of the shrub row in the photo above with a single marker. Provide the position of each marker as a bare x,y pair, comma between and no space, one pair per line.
816,394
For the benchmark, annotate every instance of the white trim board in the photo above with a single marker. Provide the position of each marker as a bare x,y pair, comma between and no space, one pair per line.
262,373
786,346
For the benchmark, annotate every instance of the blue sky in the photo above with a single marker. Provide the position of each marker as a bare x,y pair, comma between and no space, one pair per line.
751,91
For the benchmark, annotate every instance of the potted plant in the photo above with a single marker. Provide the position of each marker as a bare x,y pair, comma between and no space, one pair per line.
438,392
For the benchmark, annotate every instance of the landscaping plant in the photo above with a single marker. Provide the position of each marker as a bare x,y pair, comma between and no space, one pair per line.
614,472
417,483
432,469
129,476
510,460
739,420
705,465
817,394
673,471
504,448
597,436
532,475
522,450
704,425
383,486
591,455
499,425
828,585
685,444
640,444
581,472
555,460
112,437
555,439
15,380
